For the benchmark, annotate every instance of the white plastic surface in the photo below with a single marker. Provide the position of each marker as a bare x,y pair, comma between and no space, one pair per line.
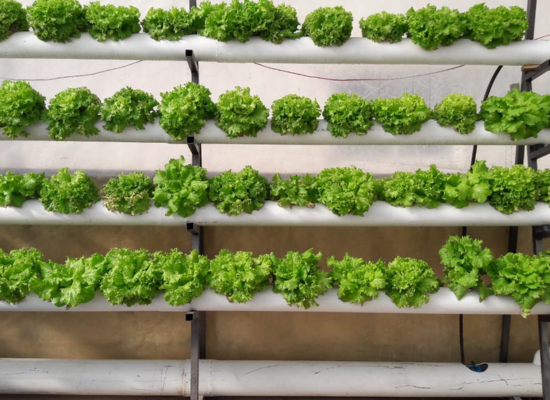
303,50
266,378
442,302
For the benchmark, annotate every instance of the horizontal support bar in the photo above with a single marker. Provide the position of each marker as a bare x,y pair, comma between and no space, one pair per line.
538,71
442,302
380,214
431,134
266,378
539,153
303,50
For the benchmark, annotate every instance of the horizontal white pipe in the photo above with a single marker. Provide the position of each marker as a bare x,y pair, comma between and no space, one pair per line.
380,214
303,50
442,302
266,378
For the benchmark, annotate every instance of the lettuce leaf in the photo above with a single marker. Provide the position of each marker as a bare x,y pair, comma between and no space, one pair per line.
16,189
513,189
458,111
346,113
241,114
17,269
128,107
384,27
172,24
403,115
128,193
57,20
13,18
431,28
328,26
295,114
297,190
109,22
20,106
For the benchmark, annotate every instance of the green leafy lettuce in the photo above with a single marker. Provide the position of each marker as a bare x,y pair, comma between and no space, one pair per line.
128,107
358,281
520,114
57,20
513,189
69,284
181,188
68,194
458,111
15,188
384,27
185,110
542,185
13,18
410,282
74,110
184,277
346,190
17,269
128,193
403,115
239,275
131,278
496,27
295,114
20,106
465,261
172,24
328,26
346,113
240,114
297,190
298,278
109,22
460,189
431,28
236,192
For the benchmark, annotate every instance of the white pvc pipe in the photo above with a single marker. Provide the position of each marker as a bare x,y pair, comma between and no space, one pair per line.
266,378
380,214
442,302
431,134
303,50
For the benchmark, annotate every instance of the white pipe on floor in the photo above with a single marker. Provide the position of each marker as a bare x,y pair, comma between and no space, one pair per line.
431,134
380,214
354,51
266,378
442,302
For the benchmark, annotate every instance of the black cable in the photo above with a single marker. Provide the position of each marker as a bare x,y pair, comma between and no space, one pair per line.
461,330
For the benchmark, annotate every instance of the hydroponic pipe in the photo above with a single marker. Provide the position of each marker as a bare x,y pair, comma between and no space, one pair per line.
303,50
266,378
431,134
442,302
380,214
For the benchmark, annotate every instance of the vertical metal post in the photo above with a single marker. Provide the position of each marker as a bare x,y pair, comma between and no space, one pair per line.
193,65
544,355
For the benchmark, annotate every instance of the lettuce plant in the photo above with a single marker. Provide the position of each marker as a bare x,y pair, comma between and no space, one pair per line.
68,194
128,193
283,26
131,278
496,27
184,277
128,107
513,189
70,284
458,111
71,111
297,190
465,262
431,28
20,106
15,189
460,189
403,115
542,185
240,114
346,190
57,20
172,24
181,188
358,281
328,26
185,110
236,192
298,278
410,282
109,22
295,114
384,27
520,114
17,270
239,275
13,18
346,113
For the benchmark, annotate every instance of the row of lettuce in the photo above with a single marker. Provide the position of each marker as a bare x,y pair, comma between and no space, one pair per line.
182,189
429,27
184,111
131,277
